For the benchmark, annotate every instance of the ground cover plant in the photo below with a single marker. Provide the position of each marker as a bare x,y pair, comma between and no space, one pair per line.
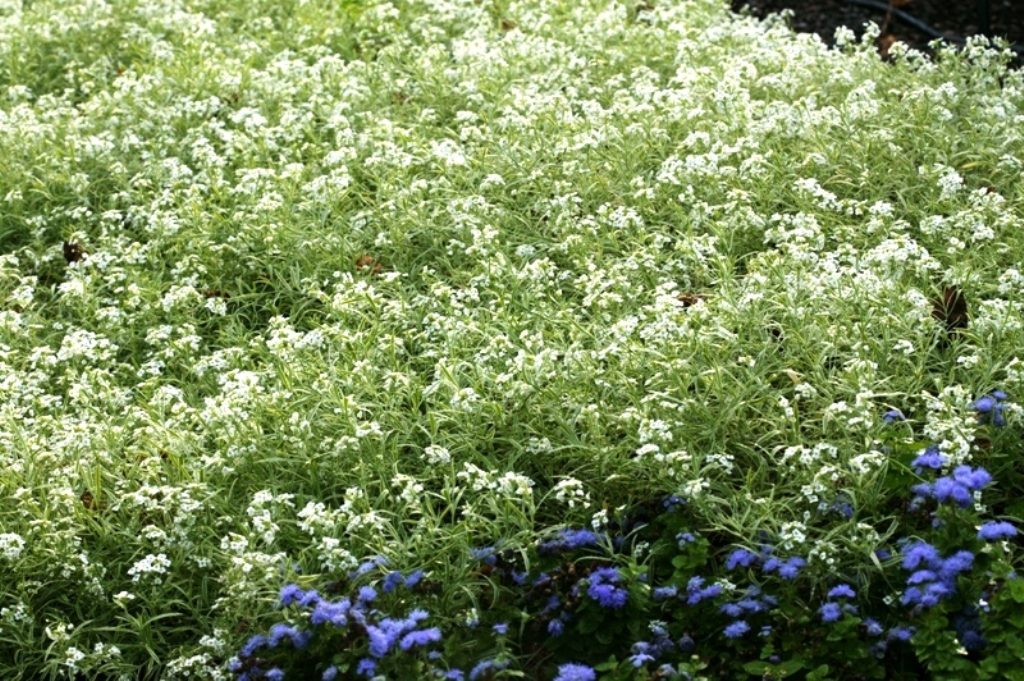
478,340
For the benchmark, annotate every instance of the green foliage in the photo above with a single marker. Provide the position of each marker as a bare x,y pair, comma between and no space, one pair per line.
286,284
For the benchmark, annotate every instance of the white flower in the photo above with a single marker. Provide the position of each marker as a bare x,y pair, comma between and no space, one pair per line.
152,566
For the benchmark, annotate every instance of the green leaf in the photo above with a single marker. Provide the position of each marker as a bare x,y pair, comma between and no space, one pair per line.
819,674
757,668
1016,587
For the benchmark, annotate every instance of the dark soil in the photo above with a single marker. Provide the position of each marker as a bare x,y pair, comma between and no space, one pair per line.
955,19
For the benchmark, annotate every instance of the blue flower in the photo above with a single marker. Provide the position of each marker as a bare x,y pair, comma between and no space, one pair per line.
608,595
367,594
375,562
842,591
873,627
501,629
555,628
992,406
922,577
830,612
290,593
893,415
957,563
684,538
310,598
686,643
252,645
478,671
973,479
275,674
740,557
791,568
672,503
972,640
696,592
663,593
575,672
917,553
329,611
486,555
280,631
736,629
330,674
995,530
640,659
413,579
454,675
420,638
985,404
604,588
731,609
901,633
366,667
569,540
931,458
392,581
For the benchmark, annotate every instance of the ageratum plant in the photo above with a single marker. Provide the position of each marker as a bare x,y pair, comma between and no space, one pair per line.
587,606
285,284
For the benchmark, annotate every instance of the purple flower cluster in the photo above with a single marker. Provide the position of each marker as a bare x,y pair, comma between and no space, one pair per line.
740,558
931,458
990,407
933,578
752,602
832,611
694,594
787,569
893,415
569,540
995,530
643,652
383,637
606,588
958,487
575,672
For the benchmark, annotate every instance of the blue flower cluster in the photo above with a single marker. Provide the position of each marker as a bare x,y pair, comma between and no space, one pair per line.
959,487
990,408
933,577
383,636
753,601
606,588
832,611
569,540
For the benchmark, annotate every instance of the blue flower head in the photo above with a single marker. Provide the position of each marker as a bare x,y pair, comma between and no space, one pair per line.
421,637
366,667
830,612
673,503
413,579
740,557
995,530
736,629
392,581
663,593
991,407
575,672
791,568
931,458
842,591
893,415
290,593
